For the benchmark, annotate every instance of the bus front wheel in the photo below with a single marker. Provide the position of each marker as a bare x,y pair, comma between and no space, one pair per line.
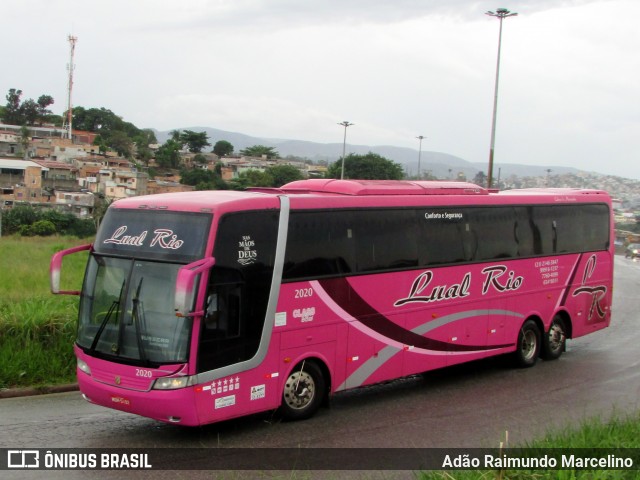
528,347
554,341
303,391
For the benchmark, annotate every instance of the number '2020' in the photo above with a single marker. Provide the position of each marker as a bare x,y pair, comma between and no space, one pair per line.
304,292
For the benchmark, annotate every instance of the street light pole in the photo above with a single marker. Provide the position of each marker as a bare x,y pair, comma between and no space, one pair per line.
419,137
500,13
345,124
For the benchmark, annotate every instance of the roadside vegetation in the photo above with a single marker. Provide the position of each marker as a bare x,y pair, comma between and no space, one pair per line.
28,221
37,328
618,432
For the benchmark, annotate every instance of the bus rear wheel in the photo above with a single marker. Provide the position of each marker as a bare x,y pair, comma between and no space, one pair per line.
303,391
553,342
528,347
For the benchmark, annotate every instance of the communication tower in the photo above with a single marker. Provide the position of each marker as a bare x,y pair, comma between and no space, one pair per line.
67,126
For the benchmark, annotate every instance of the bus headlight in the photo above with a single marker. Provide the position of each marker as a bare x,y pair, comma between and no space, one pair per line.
82,365
170,383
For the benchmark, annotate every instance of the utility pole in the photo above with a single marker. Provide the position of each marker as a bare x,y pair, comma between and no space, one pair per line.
419,137
500,13
345,124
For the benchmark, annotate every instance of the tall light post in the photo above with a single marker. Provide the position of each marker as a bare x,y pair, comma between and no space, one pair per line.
419,137
500,13
345,124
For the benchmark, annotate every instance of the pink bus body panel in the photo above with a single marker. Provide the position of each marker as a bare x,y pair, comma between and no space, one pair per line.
119,387
371,328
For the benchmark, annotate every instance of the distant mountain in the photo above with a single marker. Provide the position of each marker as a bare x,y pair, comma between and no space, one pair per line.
441,165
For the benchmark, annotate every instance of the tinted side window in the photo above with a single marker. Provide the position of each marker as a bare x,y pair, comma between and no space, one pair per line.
495,232
443,239
527,234
385,239
570,228
319,244
543,221
328,243
596,227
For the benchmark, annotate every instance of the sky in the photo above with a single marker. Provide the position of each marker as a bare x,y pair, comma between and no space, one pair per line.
569,93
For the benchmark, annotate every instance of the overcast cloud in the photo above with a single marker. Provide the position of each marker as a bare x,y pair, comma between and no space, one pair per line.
293,69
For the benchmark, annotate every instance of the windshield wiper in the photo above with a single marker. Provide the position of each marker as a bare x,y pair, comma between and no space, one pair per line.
115,306
138,320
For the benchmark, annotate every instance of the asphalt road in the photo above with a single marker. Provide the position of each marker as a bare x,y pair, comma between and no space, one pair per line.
470,406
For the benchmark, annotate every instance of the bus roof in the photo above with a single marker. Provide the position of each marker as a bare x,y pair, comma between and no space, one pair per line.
383,187
407,187
315,193
202,200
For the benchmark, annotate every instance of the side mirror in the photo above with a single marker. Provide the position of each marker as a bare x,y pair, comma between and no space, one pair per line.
185,285
56,266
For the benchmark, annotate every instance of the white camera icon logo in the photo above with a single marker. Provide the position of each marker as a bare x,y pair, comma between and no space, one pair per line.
23,459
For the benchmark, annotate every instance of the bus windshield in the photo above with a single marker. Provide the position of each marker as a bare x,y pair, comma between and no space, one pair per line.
127,312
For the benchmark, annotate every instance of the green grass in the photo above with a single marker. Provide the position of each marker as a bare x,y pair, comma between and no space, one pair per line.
37,328
618,432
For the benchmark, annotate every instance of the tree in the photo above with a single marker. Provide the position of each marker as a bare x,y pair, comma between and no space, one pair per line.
100,207
115,132
142,142
143,153
195,141
202,179
282,174
19,215
200,159
43,103
196,176
12,113
480,179
62,221
168,155
121,143
222,148
43,228
366,167
102,121
93,119
28,112
259,151
100,143
251,178
25,140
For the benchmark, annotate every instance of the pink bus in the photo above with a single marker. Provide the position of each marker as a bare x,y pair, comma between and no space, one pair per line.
204,306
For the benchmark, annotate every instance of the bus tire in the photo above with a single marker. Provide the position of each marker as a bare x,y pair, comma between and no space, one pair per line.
528,347
553,342
303,391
